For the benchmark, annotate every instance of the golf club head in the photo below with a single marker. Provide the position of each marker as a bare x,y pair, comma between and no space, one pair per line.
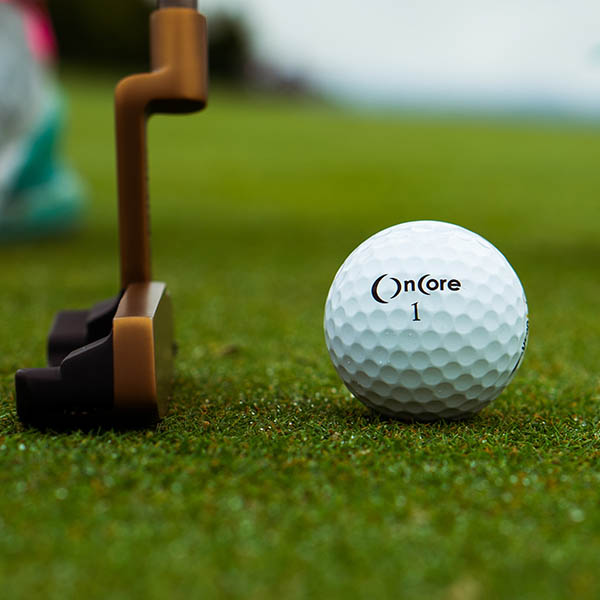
114,361
143,350
122,369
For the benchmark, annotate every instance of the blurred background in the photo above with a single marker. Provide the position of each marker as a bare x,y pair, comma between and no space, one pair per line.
521,56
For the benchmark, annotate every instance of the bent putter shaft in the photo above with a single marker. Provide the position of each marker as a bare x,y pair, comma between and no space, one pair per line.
143,327
177,84
115,359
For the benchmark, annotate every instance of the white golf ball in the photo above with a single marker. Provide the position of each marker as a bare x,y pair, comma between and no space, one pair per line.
426,320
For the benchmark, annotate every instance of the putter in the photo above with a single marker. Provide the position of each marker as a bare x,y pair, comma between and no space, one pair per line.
115,360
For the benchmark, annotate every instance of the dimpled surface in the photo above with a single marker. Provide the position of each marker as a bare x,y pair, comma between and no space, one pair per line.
426,320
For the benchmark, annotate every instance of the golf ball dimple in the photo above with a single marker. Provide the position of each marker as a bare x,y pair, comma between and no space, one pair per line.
426,320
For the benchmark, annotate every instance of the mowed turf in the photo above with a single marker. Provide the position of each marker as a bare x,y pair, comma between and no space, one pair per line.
267,480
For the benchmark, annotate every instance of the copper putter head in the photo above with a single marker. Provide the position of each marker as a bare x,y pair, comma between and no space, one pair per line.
115,359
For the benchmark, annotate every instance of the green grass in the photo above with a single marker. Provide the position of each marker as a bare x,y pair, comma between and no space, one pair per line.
267,480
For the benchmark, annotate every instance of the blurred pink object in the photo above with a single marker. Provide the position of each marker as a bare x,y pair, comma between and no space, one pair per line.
38,28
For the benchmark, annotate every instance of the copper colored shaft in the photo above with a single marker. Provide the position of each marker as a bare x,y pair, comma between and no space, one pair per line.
177,83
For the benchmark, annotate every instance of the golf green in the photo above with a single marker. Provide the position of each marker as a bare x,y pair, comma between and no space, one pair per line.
267,480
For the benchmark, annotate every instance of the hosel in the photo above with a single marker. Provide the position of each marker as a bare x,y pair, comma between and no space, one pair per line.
177,83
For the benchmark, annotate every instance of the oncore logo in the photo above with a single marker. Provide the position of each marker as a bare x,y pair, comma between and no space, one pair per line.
426,284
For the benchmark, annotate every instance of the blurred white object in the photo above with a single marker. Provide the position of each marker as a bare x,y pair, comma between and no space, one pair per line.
21,101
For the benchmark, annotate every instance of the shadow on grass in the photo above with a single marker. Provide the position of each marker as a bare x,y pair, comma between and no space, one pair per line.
89,424
231,409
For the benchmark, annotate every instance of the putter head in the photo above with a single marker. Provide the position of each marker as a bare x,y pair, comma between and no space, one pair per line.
143,349
113,361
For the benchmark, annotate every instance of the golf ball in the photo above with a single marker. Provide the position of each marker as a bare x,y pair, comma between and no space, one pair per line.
426,320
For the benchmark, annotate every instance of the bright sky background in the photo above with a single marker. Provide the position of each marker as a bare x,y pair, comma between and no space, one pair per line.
511,52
